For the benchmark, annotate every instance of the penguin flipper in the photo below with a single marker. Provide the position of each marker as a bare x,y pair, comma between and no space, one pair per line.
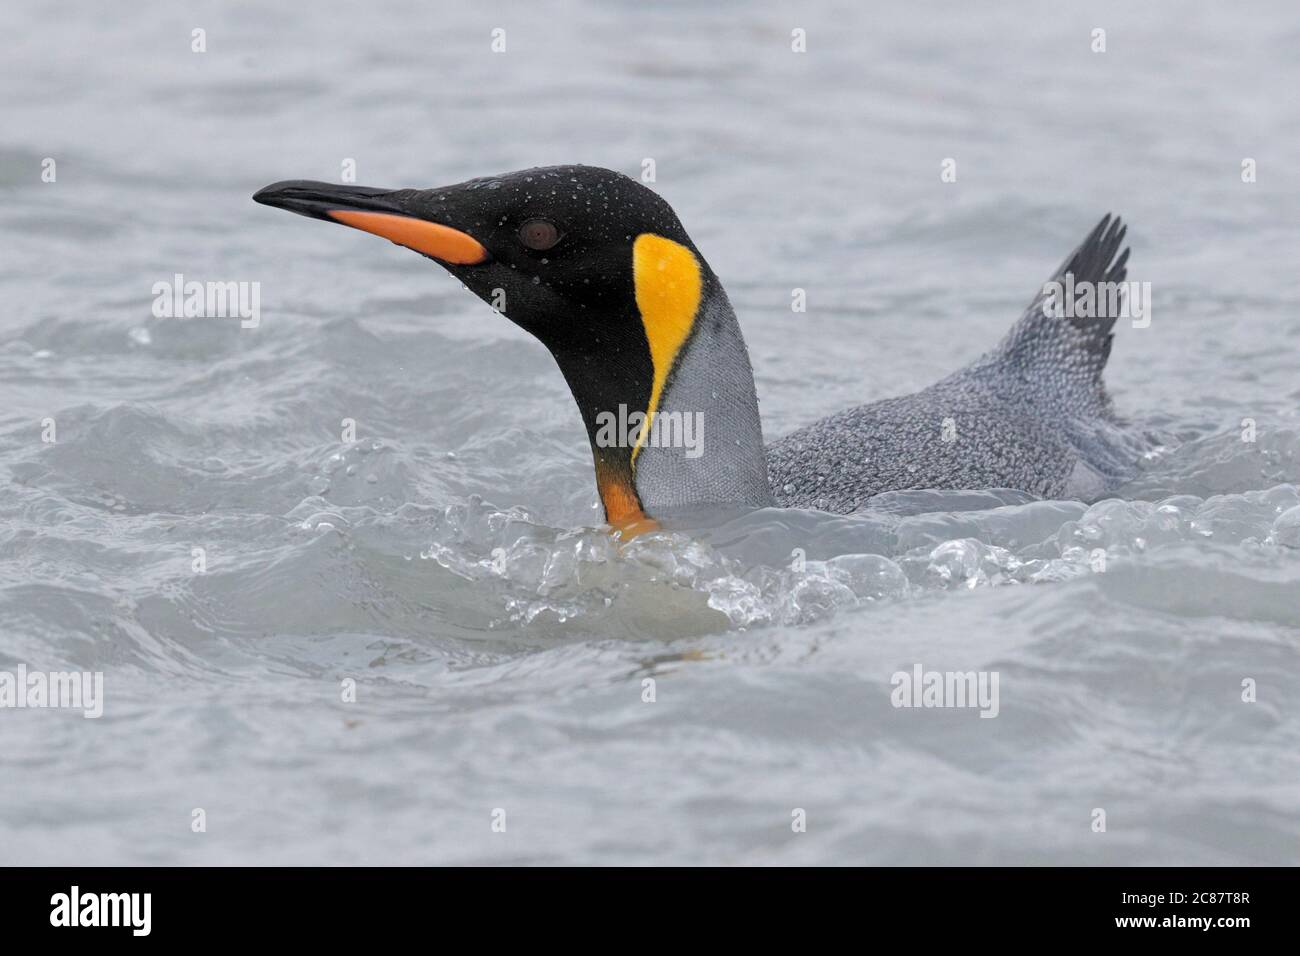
1069,351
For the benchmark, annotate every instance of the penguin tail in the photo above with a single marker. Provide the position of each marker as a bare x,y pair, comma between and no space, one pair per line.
1064,338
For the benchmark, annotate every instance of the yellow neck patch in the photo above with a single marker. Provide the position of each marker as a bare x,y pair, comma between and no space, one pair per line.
668,288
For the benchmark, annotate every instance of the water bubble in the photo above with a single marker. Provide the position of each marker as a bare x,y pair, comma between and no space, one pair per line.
1286,528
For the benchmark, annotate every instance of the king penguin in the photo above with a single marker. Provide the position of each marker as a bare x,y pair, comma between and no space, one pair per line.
598,268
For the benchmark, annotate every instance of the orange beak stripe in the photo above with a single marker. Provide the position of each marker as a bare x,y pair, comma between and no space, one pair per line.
430,238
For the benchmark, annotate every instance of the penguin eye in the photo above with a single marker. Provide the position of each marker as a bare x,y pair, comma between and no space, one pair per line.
539,234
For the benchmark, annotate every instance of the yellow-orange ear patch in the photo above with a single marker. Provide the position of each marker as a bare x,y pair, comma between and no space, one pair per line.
668,287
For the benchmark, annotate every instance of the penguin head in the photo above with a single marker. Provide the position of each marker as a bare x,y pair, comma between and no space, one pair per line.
592,263
549,248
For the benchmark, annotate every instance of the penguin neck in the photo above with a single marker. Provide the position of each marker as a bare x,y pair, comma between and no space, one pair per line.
704,448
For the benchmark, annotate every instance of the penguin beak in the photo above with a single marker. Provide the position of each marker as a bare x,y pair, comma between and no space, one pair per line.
380,212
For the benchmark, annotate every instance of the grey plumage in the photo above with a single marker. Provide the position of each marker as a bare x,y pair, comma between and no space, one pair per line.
713,380
1032,414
